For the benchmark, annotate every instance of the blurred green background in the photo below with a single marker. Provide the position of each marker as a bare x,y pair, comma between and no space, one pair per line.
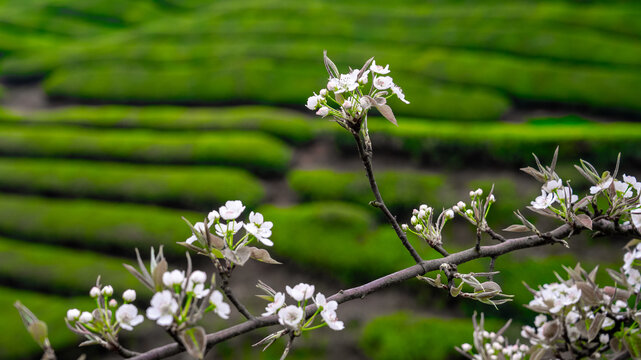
118,117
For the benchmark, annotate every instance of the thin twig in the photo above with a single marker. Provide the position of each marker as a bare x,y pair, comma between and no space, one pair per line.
366,158
494,235
225,274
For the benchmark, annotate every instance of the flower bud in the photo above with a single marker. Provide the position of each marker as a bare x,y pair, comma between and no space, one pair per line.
461,205
455,208
323,111
129,295
94,292
73,314
85,317
113,303
414,220
323,92
414,212
198,277
418,227
404,227
449,214
423,207
347,104
422,214
107,290
466,347
469,213
472,193
473,204
492,198
478,192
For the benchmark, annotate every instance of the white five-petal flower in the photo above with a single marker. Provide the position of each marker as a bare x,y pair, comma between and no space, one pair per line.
291,316
272,307
383,82
231,210
171,278
128,317
163,307
543,201
379,69
301,291
220,307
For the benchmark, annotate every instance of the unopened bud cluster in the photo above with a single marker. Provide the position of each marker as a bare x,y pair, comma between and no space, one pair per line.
425,226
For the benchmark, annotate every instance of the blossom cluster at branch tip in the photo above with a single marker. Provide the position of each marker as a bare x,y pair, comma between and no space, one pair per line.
346,97
425,226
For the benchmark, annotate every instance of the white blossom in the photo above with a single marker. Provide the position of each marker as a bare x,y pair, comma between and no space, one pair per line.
231,210
399,93
301,291
601,186
364,78
220,307
566,194
379,69
330,318
85,317
262,230
291,316
573,333
624,188
200,227
94,292
113,303
449,214
552,185
466,347
539,320
171,278
163,307
323,111
129,295
322,92
73,314
313,102
347,104
383,82
543,201
607,323
272,307
212,216
231,227
127,316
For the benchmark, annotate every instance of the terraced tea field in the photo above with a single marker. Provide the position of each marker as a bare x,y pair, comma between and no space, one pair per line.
138,113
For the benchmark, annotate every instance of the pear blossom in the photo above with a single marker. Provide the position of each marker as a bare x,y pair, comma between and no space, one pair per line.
566,194
301,291
323,111
449,214
220,307
322,92
329,315
261,232
291,316
200,227
543,201
198,277
313,101
212,216
113,303
378,68
635,216
347,104
552,185
604,338
604,184
73,314
163,307
332,84
85,317
607,323
129,295
399,93
231,227
346,82
272,307
383,82
231,210
128,317
466,347
94,292
172,278
364,78
539,320
624,188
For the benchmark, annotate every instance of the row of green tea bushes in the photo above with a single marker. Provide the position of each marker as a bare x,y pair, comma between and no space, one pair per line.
405,190
288,125
253,80
402,190
15,342
189,187
101,226
60,270
258,152
534,79
446,144
405,336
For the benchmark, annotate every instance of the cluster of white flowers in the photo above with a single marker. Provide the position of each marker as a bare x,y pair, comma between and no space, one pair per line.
225,225
633,276
495,347
424,227
350,99
553,191
478,209
554,297
293,316
103,321
166,305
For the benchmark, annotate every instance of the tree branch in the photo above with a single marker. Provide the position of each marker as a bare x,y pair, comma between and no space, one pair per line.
342,296
366,158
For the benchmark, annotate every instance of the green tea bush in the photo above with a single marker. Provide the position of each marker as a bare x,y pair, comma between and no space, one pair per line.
258,152
59,270
198,188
